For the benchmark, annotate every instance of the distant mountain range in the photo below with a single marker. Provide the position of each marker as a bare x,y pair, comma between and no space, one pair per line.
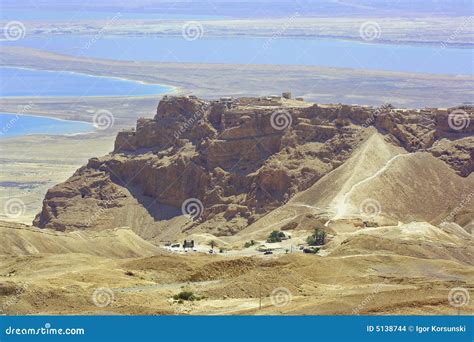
266,8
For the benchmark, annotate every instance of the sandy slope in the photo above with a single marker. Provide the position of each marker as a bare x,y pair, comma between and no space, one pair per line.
398,185
406,269
380,283
394,265
117,243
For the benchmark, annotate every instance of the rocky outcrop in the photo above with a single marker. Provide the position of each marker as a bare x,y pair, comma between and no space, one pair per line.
447,133
237,159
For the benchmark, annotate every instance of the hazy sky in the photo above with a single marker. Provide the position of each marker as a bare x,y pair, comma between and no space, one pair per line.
262,7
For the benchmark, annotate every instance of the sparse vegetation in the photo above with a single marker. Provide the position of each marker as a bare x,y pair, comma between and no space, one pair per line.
318,238
186,295
276,236
249,243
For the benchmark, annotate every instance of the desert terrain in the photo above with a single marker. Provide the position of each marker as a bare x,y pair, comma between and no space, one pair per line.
273,183
24,158
394,201
116,272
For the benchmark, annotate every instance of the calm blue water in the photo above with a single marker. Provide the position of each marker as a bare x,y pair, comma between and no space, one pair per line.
15,125
251,50
27,82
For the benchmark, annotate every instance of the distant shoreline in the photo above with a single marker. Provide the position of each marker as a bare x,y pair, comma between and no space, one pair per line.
412,43
91,124
172,89
449,32
315,84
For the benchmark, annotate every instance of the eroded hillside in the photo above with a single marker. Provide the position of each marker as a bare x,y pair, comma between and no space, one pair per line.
237,160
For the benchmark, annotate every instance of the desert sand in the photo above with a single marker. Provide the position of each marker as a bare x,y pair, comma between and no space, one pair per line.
114,269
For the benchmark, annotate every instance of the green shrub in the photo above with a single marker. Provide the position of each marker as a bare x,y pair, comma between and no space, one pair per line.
249,243
318,238
275,236
185,295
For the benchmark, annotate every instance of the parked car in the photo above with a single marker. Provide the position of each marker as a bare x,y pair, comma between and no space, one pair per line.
211,251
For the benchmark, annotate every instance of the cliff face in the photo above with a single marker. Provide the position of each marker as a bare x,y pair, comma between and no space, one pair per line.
236,160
